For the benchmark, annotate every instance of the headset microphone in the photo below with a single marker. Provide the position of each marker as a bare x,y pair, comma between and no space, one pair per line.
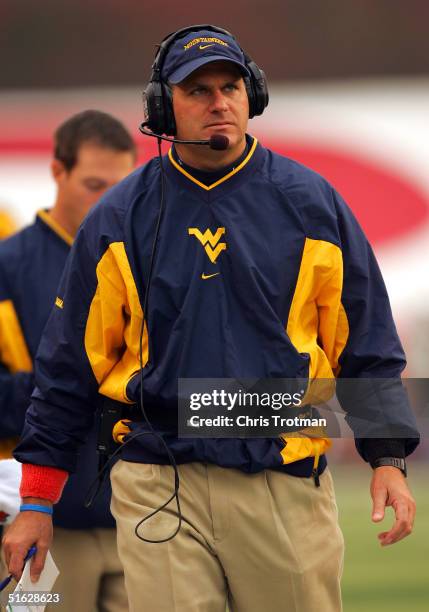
217,142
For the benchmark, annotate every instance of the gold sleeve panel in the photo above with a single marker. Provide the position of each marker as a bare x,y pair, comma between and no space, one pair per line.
317,321
317,325
13,348
112,334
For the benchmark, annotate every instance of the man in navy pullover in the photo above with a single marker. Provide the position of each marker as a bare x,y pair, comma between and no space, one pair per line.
260,271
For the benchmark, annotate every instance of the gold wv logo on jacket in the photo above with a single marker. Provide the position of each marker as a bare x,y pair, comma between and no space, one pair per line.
210,242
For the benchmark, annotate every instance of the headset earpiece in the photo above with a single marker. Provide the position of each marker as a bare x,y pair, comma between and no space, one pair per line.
258,96
158,108
153,106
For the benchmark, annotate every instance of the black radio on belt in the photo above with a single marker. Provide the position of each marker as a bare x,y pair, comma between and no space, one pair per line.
111,413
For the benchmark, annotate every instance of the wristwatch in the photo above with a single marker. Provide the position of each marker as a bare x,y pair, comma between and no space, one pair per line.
396,462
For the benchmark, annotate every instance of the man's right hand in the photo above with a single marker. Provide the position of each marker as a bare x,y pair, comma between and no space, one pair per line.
29,528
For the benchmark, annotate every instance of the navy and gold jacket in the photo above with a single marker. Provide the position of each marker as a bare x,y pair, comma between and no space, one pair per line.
263,273
31,264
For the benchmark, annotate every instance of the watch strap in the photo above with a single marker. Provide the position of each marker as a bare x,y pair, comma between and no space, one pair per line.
397,462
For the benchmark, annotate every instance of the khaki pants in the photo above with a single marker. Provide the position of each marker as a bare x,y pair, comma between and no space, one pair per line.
91,575
266,542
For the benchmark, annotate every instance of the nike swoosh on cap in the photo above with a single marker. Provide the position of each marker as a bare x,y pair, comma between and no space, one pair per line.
206,46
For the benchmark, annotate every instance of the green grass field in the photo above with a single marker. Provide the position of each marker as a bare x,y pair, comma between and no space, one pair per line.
376,579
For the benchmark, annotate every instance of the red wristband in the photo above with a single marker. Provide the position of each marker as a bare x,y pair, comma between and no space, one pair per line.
42,481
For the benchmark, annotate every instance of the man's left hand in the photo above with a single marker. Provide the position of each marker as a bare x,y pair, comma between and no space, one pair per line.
389,488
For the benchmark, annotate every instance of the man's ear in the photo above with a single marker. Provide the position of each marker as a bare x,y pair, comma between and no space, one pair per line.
58,170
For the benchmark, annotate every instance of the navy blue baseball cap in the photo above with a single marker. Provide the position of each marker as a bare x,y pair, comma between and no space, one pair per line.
198,48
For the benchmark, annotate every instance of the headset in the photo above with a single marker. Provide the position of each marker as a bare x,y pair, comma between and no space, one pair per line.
157,96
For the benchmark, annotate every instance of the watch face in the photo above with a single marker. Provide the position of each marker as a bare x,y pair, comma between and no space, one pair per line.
400,463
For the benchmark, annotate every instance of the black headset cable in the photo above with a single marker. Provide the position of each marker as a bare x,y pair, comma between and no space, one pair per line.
97,483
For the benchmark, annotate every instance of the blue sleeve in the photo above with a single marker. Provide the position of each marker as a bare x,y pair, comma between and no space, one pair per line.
15,392
64,400
373,352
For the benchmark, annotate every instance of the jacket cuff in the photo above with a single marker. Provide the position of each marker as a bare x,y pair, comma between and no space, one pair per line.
374,448
42,481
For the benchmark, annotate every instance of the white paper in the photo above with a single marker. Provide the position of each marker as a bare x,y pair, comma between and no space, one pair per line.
45,583
10,499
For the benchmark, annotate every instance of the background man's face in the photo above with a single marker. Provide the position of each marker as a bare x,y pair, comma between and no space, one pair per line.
96,170
212,100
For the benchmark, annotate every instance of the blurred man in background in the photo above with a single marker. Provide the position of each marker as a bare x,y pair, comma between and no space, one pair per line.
93,151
